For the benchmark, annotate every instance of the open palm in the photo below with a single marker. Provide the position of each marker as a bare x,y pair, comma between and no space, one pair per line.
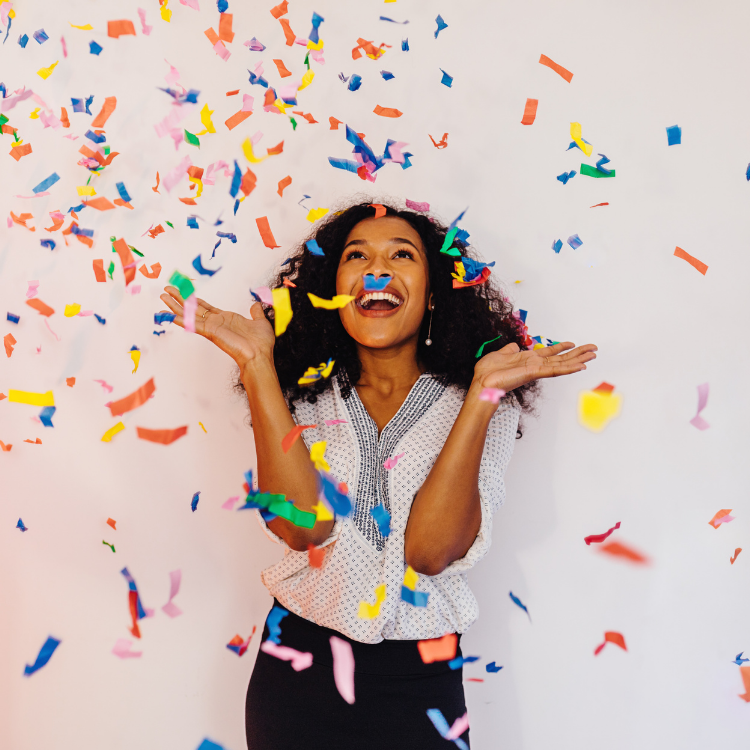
511,367
241,338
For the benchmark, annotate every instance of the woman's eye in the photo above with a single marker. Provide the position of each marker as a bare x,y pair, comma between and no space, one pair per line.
403,254
355,254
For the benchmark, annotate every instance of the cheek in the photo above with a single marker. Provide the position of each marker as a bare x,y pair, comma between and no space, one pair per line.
345,280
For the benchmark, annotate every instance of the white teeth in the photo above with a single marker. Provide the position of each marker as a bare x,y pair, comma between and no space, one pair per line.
375,296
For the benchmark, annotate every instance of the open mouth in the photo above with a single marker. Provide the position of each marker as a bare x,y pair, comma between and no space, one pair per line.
379,301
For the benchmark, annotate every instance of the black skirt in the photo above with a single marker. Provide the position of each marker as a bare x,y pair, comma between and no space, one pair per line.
288,710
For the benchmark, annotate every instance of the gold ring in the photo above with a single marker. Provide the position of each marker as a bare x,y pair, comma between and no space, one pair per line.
204,315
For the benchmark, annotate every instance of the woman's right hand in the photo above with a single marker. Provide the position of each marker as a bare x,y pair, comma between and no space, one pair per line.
241,338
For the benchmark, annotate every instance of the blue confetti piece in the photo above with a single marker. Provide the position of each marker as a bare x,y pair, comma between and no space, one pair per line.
228,236
100,319
123,192
390,20
95,137
273,621
45,654
95,48
314,247
77,104
738,660
76,209
405,45
747,173
46,414
522,315
256,46
258,80
139,611
354,82
382,519
459,661
23,40
674,135
600,164
236,180
236,206
20,525
161,318
376,285
49,244
406,163
339,501
573,144
565,176
474,268
83,232
316,21
192,222
192,96
353,166
446,80
518,602
575,241
198,266
387,75
41,36
89,100
438,720
440,25
207,744
415,598
12,318
222,6
492,667
194,501
158,333
48,182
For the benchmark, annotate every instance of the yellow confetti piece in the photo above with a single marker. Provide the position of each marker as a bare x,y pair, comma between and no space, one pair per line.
282,309
322,512
369,611
11,13
135,355
203,428
47,72
410,578
317,373
316,213
112,431
282,105
206,120
317,455
72,310
596,409
166,14
247,149
87,27
31,398
339,301
199,183
34,115
86,190
307,79
575,134
315,46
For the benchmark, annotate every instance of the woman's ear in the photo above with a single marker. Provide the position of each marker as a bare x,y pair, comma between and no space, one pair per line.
430,304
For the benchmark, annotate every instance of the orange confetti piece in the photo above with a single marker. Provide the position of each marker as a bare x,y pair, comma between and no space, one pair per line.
716,520
70,382
33,442
225,27
745,674
156,187
189,201
158,229
335,123
18,151
379,210
315,556
99,273
596,205
285,183
153,273
280,9
238,117
248,182
736,552
110,103
611,637
165,437
111,522
5,447
618,549
100,204
442,143
529,112
213,37
22,219
233,93
289,283
438,649
307,116
9,342
2,396
288,33
64,117
127,260
604,387
387,111
40,307
291,437
116,29
57,222
134,400
283,72
9,130
694,262
277,149
566,74
265,232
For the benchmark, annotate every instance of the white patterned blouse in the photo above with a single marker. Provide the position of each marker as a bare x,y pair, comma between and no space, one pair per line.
358,558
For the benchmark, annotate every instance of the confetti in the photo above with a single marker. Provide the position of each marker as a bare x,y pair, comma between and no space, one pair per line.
386,111
721,517
382,519
588,171
446,80
170,608
20,525
31,398
439,722
45,654
492,667
736,552
597,408
338,302
694,262
107,544
238,645
674,135
284,183
291,437
575,134
116,29
611,637
529,112
438,649
745,674
298,659
112,431
343,666
265,232
698,421
618,549
598,538
194,502
369,611
123,649
134,400
566,74
165,437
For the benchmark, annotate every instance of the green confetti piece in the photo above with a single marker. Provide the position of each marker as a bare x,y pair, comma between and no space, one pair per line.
109,545
183,283
169,223
278,505
110,269
137,252
481,348
446,248
590,171
3,119
88,182
106,150
294,123
193,140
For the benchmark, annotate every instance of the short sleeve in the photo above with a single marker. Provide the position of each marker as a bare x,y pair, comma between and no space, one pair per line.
498,448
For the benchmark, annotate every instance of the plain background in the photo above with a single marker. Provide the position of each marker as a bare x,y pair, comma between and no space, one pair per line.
662,328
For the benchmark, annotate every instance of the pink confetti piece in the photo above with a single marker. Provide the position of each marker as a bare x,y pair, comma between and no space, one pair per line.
697,420
255,137
173,76
390,463
209,178
265,294
37,195
50,120
170,608
64,46
104,384
188,312
491,394
460,725
32,290
176,175
145,29
190,4
5,8
221,50
122,649
134,289
46,322
229,504
85,313
247,103
395,151
300,660
7,104
343,668
415,206
331,422
71,137
173,119
317,55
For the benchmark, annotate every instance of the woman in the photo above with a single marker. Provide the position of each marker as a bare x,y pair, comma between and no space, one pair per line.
408,434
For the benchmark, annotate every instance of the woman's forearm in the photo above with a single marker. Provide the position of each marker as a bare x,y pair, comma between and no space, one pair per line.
446,513
291,473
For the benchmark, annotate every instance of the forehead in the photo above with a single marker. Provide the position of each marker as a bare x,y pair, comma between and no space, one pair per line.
377,231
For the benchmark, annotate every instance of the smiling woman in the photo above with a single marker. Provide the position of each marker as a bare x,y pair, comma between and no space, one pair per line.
406,419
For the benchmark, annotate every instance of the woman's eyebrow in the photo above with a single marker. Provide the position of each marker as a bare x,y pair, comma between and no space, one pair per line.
392,241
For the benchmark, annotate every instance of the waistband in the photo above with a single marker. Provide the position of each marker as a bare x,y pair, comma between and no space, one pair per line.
389,657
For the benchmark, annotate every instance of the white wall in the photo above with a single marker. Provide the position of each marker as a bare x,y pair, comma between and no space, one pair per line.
661,327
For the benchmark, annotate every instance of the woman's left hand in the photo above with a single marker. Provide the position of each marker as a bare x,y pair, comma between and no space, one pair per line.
510,368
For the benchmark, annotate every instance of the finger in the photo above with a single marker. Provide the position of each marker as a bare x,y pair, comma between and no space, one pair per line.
511,348
569,355
171,303
174,292
202,303
256,311
562,369
549,351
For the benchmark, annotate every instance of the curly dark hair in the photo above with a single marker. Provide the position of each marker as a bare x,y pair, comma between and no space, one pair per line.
463,319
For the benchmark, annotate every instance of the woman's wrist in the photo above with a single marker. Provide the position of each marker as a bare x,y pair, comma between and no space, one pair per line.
481,409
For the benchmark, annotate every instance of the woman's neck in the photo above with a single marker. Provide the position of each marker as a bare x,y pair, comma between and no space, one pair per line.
387,371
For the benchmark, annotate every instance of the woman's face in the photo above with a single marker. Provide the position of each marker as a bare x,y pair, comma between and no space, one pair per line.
385,246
